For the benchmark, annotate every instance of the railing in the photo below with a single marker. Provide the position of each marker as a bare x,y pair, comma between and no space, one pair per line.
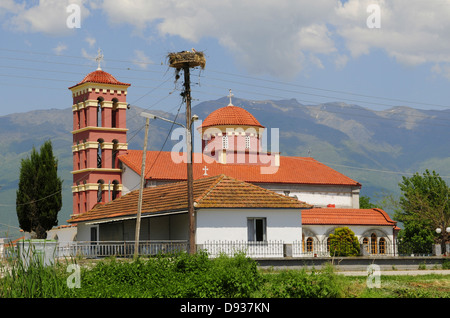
265,249
250,249
119,248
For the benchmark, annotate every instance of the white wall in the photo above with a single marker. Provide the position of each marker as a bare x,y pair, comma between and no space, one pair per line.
319,195
231,224
320,233
130,180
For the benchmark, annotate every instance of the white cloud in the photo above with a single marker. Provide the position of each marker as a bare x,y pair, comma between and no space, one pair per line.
91,41
264,36
141,59
47,16
60,48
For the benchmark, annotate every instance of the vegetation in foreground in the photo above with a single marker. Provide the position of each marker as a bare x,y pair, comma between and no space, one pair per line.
185,276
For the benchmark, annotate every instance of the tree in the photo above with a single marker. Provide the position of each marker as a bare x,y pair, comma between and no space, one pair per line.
344,242
424,204
39,198
364,203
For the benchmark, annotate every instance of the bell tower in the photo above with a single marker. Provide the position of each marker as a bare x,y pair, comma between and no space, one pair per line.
99,138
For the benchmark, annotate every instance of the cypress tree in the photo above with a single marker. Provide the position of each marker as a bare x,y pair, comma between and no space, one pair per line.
39,197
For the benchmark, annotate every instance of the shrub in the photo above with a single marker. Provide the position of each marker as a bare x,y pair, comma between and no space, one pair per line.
343,243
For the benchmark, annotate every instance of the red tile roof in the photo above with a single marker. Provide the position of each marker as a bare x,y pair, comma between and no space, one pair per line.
292,170
213,192
101,77
333,216
230,115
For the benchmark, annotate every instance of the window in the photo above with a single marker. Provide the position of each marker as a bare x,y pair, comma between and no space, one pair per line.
366,244
99,112
373,243
100,191
115,191
309,244
247,142
256,228
115,110
114,153
382,246
99,153
225,142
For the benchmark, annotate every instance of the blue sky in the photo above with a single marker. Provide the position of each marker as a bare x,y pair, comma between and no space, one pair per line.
313,51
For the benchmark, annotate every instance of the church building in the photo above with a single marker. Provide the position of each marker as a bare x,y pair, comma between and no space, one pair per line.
251,194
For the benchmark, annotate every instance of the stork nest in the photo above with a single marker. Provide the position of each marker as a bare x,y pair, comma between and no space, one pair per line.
185,59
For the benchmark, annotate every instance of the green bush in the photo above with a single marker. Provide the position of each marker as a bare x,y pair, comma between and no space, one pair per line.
343,242
301,284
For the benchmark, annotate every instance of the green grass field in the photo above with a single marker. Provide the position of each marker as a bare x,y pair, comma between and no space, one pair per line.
198,276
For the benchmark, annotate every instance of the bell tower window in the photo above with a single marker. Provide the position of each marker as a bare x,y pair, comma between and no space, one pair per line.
100,190
114,114
99,153
99,111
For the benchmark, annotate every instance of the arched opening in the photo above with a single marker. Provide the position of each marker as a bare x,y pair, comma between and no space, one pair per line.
373,243
225,142
114,153
115,112
115,189
366,244
247,142
309,244
382,246
99,111
100,190
99,152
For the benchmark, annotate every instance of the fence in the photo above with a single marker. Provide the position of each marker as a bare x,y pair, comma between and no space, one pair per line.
266,249
295,249
119,248
251,249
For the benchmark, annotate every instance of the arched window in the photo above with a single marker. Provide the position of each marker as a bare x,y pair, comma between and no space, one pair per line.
366,244
309,244
225,142
99,152
115,190
382,245
373,243
247,142
100,191
115,109
99,111
114,153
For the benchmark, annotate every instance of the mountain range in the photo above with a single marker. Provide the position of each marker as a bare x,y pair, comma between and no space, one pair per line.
376,148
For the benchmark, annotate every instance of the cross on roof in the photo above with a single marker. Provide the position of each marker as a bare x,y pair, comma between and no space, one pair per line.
99,58
205,169
230,95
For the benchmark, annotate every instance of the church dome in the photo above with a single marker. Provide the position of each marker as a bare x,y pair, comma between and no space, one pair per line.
102,77
230,116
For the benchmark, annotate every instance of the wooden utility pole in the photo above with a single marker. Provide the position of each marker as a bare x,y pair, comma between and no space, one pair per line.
190,174
141,190
184,61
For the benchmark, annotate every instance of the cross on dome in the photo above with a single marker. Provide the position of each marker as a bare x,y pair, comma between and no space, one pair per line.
99,58
230,95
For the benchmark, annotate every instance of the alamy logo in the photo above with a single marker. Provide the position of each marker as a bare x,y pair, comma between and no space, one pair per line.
374,19
74,19
373,276
74,279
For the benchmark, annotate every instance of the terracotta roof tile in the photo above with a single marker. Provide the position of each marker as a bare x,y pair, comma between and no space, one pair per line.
102,77
329,216
299,170
230,115
213,192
